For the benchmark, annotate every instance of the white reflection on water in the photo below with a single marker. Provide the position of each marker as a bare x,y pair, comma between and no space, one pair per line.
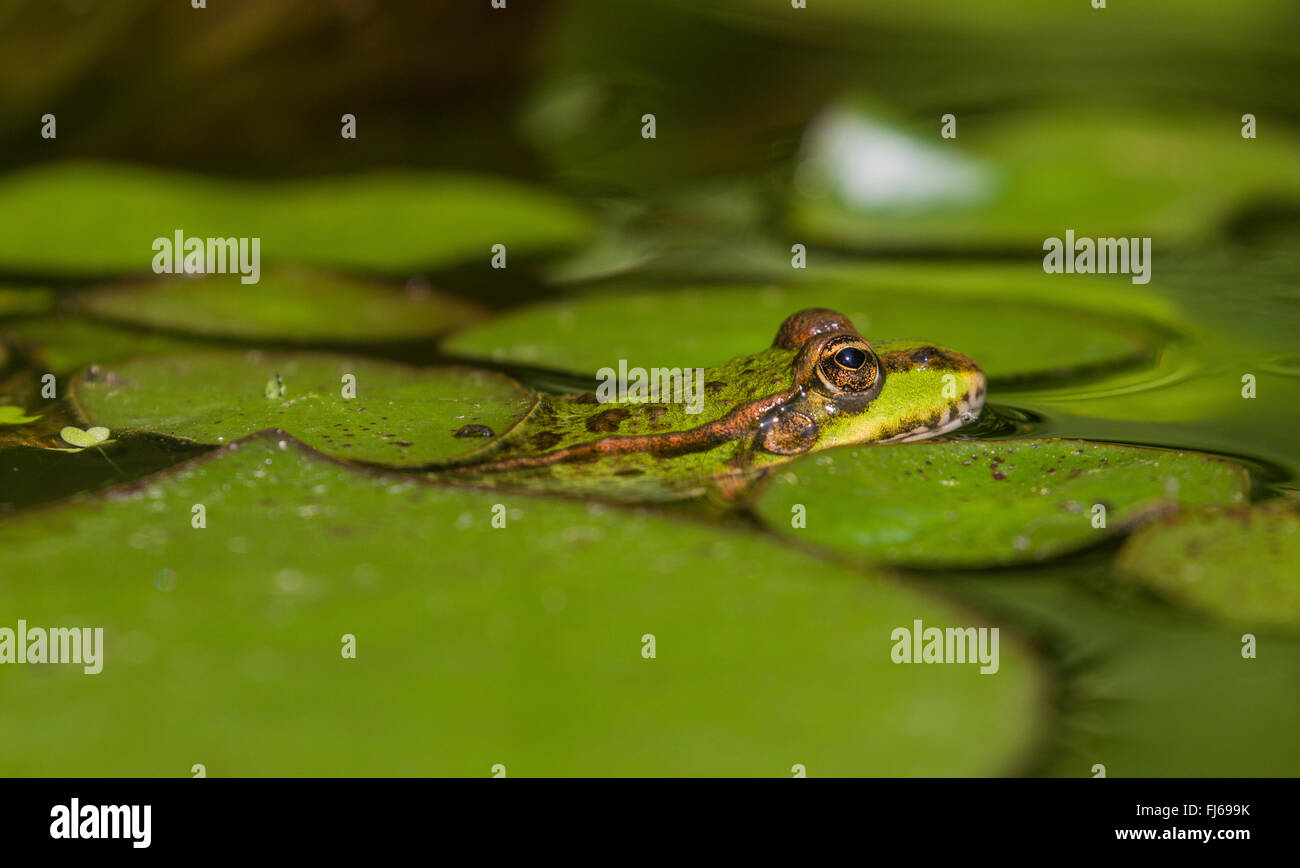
868,166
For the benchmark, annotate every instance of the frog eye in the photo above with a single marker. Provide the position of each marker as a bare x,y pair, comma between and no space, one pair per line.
847,364
851,357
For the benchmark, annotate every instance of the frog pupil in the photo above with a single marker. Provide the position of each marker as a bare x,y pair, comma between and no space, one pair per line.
851,357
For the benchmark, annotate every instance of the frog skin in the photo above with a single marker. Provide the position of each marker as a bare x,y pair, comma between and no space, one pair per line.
820,385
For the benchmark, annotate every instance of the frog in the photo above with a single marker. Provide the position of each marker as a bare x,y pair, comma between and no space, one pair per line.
820,385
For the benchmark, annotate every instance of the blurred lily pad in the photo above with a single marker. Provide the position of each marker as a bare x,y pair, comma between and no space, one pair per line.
1206,19
466,634
975,504
1241,563
10,415
95,217
25,301
1145,690
22,301
400,415
1010,337
288,304
1017,180
64,344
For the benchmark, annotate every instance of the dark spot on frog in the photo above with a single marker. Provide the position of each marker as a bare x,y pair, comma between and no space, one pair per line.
999,476
654,414
475,431
546,439
629,471
607,420
715,386
587,398
921,355
896,365
401,443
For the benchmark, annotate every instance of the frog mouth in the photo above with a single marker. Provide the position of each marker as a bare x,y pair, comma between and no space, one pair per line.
966,410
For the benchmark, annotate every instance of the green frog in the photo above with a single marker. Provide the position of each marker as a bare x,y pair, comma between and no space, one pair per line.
820,385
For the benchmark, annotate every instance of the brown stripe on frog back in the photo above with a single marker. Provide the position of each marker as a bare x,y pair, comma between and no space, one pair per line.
667,445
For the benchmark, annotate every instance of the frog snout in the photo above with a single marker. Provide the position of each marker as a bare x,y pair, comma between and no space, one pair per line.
972,384
971,403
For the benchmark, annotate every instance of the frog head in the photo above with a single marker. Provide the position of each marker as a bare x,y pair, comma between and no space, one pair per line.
848,391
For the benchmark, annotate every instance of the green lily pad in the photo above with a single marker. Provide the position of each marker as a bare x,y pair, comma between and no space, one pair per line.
1241,563
1143,689
1015,180
400,416
64,344
975,504
289,305
22,301
1207,19
1010,337
93,217
25,301
475,645
10,415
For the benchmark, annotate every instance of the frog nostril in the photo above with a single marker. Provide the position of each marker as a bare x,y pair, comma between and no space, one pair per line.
851,357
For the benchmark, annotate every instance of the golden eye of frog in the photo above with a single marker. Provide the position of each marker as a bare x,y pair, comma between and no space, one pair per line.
819,385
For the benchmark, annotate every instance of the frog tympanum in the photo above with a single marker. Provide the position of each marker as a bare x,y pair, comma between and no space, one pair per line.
818,386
